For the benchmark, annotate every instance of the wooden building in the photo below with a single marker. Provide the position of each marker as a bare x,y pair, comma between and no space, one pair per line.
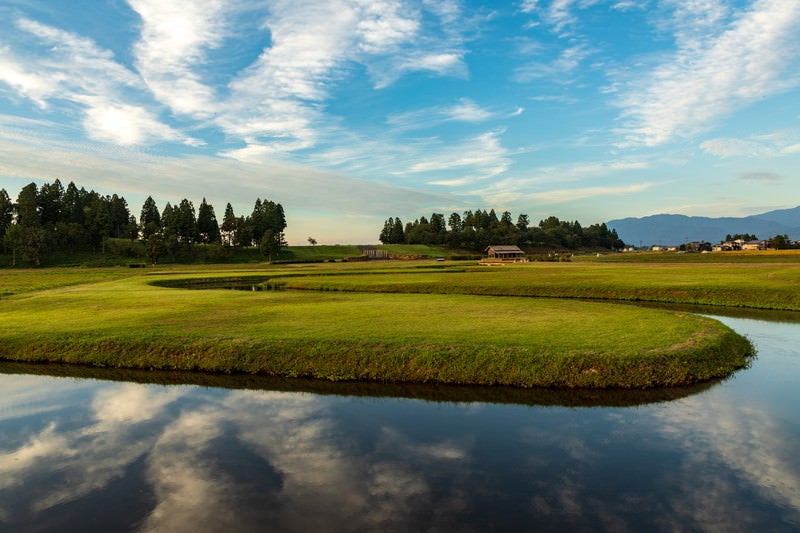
504,252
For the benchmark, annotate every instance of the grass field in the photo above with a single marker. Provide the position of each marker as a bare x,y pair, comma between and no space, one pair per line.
387,321
773,286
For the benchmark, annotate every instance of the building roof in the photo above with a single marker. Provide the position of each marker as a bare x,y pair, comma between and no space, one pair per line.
505,248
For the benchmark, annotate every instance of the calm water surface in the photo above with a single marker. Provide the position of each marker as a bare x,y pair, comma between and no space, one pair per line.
93,455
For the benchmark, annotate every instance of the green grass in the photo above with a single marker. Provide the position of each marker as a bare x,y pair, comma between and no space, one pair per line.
737,257
417,249
320,252
758,286
126,321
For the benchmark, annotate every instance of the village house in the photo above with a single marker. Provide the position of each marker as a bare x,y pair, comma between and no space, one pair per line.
505,253
754,245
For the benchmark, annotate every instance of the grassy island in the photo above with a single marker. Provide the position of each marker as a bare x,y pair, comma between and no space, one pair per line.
432,325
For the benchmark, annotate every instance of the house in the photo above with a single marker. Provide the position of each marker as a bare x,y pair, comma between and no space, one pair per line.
504,252
754,245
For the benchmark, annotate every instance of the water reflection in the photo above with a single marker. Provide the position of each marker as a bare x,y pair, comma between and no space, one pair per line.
428,392
84,454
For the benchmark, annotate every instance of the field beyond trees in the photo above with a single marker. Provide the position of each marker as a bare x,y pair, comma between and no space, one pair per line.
423,321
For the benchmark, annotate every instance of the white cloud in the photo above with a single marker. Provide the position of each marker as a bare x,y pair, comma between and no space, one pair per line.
567,195
735,148
79,71
484,153
558,14
559,70
276,103
130,403
739,62
792,149
45,445
385,24
757,146
529,6
29,85
513,190
173,39
465,110
127,125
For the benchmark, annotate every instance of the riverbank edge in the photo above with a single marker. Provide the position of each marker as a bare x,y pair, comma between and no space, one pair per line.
713,355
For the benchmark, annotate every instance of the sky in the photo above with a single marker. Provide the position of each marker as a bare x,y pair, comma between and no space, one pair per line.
348,112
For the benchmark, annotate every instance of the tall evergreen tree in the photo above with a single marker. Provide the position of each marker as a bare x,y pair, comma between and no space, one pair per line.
258,220
169,224
119,215
455,223
398,234
229,226
186,222
207,226
386,233
150,219
523,222
99,223
72,206
51,202
28,206
276,219
6,212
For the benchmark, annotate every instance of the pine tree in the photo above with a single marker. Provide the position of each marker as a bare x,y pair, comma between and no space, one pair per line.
149,220
186,222
229,227
207,226
28,207
6,212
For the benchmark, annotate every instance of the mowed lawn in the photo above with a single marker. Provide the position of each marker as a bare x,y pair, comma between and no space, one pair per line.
751,285
452,338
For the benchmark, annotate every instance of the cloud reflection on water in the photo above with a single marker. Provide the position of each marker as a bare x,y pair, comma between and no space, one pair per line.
216,459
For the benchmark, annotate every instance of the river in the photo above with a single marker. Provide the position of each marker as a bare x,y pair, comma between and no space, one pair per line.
94,454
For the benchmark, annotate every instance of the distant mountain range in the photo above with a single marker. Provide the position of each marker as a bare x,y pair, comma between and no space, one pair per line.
677,229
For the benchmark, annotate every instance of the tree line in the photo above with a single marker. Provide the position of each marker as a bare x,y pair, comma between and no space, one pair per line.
476,230
54,218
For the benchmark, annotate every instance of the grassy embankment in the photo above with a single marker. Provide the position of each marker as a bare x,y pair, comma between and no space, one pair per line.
774,286
409,337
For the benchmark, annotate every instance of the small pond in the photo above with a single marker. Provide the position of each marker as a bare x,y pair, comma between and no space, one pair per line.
105,453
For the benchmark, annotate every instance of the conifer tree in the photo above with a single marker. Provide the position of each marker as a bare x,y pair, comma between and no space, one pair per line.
207,225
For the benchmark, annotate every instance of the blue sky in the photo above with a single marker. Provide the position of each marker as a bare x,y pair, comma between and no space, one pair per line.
350,111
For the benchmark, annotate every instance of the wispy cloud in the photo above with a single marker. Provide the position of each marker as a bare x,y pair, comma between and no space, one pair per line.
465,110
722,64
484,155
762,147
559,15
761,177
276,103
560,70
173,40
80,72
567,195
726,148
513,190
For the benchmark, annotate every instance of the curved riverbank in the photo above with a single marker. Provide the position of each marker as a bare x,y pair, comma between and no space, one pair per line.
337,336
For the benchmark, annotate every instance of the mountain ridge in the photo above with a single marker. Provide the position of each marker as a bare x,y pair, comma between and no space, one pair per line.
670,229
